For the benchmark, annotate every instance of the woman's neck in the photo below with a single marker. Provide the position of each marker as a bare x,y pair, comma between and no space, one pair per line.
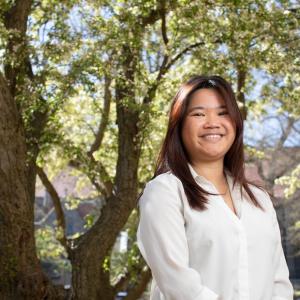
212,171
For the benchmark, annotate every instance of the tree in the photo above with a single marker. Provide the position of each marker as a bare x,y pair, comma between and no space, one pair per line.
108,65
20,270
24,116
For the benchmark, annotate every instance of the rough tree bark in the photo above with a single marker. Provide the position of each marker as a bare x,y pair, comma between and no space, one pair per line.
20,274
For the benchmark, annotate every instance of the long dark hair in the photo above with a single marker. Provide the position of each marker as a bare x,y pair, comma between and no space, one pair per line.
174,158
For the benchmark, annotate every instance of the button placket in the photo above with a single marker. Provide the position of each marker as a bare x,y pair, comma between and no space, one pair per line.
243,266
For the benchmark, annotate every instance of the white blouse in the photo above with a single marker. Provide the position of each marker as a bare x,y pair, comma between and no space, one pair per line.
213,254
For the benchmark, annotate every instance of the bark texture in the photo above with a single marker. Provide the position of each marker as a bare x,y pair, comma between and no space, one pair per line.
20,273
21,276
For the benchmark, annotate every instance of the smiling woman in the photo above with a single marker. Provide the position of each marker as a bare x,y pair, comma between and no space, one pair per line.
205,230
208,131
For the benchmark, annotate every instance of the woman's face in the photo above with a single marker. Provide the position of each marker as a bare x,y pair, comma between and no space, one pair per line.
208,131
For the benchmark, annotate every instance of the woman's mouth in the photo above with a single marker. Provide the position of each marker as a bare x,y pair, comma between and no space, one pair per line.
212,137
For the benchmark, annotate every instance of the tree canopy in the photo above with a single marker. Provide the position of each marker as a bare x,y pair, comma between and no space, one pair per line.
87,85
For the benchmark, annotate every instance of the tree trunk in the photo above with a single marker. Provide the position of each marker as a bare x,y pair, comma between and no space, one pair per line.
21,276
89,280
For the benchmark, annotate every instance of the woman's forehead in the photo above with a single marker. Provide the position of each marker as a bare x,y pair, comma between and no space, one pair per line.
206,99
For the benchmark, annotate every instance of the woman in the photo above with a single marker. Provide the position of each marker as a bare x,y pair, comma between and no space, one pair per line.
205,231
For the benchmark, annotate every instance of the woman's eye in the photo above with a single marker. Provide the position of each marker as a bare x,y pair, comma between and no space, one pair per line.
225,112
198,114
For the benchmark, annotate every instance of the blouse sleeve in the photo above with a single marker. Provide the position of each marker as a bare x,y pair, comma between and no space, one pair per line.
162,241
283,289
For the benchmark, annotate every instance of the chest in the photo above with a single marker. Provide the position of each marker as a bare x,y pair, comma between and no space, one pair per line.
229,202
219,227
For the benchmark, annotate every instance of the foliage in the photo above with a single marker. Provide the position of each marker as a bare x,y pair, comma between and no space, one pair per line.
75,46
233,36
292,182
48,248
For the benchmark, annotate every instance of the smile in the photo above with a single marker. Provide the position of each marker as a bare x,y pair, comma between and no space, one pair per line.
212,137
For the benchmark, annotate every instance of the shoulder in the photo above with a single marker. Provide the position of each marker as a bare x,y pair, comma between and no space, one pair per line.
164,189
167,179
262,196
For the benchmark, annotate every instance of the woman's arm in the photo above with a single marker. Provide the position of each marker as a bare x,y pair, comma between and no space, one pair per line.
162,241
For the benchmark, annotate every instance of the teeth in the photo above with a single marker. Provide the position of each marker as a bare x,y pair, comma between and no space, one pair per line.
212,136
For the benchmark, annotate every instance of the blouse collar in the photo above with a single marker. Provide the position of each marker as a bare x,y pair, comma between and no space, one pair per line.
234,190
202,180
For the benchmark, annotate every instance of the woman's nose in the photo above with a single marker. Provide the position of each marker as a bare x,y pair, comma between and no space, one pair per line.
211,121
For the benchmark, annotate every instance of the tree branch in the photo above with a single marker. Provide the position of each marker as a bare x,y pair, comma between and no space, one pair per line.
124,282
162,12
16,17
104,120
155,14
61,224
138,289
187,49
285,133
105,186
166,65
15,20
290,166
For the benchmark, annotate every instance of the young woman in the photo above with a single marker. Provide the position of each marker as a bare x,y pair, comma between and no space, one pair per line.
205,231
